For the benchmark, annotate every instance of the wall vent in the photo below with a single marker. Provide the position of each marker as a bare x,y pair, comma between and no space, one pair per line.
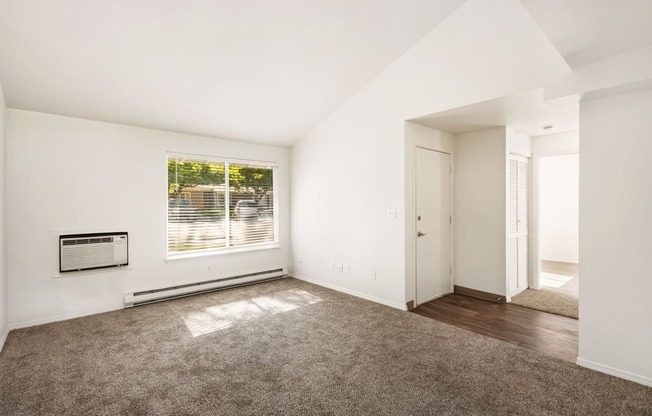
144,297
79,252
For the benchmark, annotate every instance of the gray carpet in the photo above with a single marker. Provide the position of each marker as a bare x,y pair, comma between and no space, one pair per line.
548,301
290,348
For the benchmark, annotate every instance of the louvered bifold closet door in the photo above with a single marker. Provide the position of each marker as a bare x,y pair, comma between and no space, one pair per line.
512,226
522,224
517,224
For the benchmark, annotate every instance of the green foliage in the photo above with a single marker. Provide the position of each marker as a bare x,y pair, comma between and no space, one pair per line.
188,174
253,180
250,180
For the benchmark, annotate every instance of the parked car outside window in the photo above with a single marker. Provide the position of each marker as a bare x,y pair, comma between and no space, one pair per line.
246,209
181,210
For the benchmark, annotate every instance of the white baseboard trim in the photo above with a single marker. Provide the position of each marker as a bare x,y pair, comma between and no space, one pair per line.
349,291
64,317
3,337
615,372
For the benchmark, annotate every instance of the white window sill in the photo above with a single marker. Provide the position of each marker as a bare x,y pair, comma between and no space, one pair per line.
220,252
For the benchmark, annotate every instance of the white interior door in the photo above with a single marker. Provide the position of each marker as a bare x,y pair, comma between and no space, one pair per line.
433,263
517,225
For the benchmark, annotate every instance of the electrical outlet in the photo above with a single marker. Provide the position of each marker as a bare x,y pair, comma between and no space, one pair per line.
333,266
210,267
348,268
373,275
340,268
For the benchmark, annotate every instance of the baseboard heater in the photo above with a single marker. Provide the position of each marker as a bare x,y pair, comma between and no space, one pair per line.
158,295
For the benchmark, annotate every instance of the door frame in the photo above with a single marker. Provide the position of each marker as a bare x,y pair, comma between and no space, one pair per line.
534,278
450,208
428,138
519,157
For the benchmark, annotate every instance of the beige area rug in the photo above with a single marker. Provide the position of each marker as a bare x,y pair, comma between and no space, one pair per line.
548,301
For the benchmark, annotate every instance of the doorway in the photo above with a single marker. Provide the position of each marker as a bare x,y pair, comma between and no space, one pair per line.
559,224
433,224
555,286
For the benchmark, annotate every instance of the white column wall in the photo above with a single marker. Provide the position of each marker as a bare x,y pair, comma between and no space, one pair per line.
480,196
4,300
614,233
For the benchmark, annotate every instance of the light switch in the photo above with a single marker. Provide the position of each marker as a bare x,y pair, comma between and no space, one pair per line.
391,213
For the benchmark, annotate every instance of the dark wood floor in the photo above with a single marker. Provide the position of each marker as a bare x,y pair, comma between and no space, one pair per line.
540,331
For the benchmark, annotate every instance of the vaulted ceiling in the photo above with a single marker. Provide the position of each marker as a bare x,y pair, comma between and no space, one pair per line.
254,70
258,71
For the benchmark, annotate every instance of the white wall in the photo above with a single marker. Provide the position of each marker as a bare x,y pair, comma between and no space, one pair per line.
350,169
558,209
77,175
480,210
3,224
543,146
517,143
417,135
556,144
615,228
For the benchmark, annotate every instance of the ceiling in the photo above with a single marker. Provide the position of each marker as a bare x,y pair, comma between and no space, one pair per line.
527,113
257,71
252,70
585,31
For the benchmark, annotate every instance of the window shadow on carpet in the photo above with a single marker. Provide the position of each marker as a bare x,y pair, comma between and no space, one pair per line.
217,318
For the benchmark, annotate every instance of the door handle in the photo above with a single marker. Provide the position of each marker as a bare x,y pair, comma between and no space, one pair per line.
420,234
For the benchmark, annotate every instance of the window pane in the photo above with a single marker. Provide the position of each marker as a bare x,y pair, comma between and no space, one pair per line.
196,210
252,204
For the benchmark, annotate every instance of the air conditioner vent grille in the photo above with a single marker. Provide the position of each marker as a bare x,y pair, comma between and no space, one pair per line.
92,251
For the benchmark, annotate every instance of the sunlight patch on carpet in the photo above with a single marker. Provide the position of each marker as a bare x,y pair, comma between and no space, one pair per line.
554,280
217,318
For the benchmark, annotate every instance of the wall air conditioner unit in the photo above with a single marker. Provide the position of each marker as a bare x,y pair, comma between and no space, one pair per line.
93,251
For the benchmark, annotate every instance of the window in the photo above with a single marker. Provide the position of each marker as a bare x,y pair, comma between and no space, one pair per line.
215,205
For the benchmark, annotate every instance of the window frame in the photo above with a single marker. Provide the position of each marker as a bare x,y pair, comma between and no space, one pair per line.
208,252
